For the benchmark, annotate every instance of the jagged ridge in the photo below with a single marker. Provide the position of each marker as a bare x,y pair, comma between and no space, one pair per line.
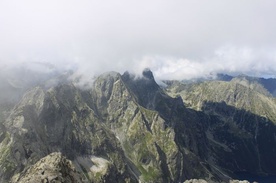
128,129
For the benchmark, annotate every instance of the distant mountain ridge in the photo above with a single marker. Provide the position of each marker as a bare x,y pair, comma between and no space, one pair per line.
129,129
268,83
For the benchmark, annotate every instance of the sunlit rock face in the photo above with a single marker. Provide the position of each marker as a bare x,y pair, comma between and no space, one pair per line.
125,128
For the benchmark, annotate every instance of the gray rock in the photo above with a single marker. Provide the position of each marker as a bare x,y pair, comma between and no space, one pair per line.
52,168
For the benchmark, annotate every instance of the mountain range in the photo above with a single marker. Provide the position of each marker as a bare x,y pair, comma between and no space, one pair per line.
127,128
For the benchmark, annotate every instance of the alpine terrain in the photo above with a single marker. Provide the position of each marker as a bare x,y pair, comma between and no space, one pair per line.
127,128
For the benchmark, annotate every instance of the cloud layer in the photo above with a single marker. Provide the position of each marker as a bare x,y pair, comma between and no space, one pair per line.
176,39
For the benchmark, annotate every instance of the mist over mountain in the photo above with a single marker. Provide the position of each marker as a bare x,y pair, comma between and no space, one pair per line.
126,128
78,105
177,40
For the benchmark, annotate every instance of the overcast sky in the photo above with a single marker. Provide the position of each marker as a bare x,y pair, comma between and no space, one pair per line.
176,39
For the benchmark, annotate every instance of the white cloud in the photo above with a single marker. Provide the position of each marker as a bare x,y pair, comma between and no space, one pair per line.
227,59
176,39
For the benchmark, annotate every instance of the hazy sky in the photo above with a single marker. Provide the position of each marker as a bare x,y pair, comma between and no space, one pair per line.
177,39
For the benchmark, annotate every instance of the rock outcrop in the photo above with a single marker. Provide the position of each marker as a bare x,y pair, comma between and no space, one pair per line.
52,168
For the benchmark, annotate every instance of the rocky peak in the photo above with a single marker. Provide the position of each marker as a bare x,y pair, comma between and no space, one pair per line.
148,74
145,88
128,129
52,168
251,83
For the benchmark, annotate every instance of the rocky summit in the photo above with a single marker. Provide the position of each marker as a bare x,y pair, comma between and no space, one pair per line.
126,128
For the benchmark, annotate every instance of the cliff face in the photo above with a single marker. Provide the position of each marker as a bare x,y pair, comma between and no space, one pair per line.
59,120
241,123
128,129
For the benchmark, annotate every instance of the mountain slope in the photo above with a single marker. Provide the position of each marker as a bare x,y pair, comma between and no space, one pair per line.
109,122
128,129
58,120
241,123
238,93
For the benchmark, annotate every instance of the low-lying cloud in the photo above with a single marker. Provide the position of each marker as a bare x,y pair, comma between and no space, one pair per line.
228,59
175,39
